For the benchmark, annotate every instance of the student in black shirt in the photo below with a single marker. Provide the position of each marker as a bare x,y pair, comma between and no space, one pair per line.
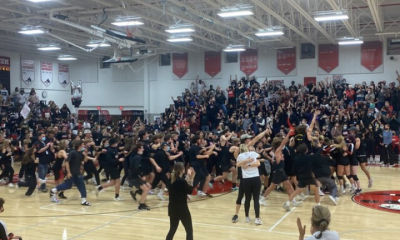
178,209
30,164
44,153
74,176
113,160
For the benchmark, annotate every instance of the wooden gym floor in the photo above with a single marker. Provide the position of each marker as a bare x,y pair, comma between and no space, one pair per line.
36,217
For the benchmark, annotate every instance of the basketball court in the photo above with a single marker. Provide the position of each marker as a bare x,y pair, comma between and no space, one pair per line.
37,218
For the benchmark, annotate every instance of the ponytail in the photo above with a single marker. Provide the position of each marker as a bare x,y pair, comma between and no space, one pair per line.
321,217
323,226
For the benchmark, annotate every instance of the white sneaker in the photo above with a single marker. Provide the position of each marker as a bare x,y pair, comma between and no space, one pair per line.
337,200
201,194
295,203
370,182
307,192
320,192
258,221
302,195
3,181
10,185
263,202
342,190
286,206
151,192
160,195
118,199
333,200
248,220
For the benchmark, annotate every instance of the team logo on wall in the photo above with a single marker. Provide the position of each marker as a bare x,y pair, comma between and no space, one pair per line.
46,69
63,74
388,201
28,71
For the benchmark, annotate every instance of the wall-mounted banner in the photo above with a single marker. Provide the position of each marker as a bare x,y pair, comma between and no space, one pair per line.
328,57
180,64
63,74
212,63
28,71
46,71
249,61
371,55
286,60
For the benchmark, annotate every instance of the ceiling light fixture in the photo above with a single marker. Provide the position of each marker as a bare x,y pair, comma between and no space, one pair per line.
180,39
351,42
66,58
179,30
37,1
235,48
103,44
49,48
269,33
236,13
31,31
331,17
127,23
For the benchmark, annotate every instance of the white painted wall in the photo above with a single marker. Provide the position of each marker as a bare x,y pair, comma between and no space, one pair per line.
146,86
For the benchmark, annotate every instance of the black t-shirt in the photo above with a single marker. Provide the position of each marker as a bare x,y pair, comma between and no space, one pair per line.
112,158
44,157
302,166
75,159
194,150
320,165
61,136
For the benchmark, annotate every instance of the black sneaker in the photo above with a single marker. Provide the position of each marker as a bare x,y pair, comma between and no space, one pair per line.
143,207
235,219
133,195
209,195
61,195
44,190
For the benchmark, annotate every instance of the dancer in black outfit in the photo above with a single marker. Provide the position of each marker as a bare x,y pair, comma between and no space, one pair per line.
30,165
178,209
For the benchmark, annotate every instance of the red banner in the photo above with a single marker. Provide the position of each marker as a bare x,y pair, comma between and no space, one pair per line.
212,63
105,114
371,55
249,61
286,60
180,64
82,114
308,80
328,57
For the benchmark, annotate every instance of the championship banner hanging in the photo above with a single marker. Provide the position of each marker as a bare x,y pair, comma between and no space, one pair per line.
371,55
28,71
328,57
310,80
63,74
46,70
249,61
180,64
286,60
212,63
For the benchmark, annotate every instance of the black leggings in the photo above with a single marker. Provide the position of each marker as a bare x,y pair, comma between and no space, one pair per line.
386,154
126,172
22,171
252,187
186,220
370,148
91,170
241,193
8,172
30,182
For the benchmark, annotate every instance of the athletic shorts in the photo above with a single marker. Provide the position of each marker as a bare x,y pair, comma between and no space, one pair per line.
362,159
136,182
344,161
226,166
279,176
303,182
353,161
262,170
200,169
114,173
146,169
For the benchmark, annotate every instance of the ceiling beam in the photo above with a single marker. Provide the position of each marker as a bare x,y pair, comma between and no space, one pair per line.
346,23
376,16
307,16
283,21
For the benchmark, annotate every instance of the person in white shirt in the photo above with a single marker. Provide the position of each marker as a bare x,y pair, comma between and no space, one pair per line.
251,181
320,219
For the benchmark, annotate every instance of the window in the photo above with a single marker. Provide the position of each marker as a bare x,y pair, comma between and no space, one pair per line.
165,59
231,57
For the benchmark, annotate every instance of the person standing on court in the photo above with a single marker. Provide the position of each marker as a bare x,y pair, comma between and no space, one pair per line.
74,175
178,209
44,153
